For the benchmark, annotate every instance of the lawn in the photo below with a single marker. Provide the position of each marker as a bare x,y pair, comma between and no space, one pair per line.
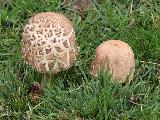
75,94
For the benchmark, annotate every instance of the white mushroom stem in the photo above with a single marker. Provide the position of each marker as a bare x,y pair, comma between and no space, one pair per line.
44,80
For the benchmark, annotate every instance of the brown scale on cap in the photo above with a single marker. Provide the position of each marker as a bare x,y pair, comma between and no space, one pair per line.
48,42
116,57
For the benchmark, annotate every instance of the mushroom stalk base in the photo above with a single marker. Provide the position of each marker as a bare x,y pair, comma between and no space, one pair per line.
44,81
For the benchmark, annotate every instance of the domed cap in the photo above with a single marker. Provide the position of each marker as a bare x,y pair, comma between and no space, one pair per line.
117,58
48,42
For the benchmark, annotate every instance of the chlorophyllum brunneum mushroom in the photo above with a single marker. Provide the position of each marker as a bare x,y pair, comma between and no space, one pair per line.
49,43
115,57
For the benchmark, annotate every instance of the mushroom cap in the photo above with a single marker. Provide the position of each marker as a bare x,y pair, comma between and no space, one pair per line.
49,43
117,58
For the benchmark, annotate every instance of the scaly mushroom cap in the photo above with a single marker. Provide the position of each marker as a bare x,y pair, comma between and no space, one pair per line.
48,42
116,57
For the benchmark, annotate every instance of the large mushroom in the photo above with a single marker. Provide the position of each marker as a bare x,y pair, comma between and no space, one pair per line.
48,43
115,57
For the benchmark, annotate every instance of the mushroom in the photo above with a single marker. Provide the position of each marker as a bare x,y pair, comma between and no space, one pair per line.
49,43
115,57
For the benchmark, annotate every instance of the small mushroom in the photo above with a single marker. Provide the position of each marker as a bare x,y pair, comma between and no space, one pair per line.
117,58
49,43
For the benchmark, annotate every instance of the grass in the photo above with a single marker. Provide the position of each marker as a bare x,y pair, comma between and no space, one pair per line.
75,94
